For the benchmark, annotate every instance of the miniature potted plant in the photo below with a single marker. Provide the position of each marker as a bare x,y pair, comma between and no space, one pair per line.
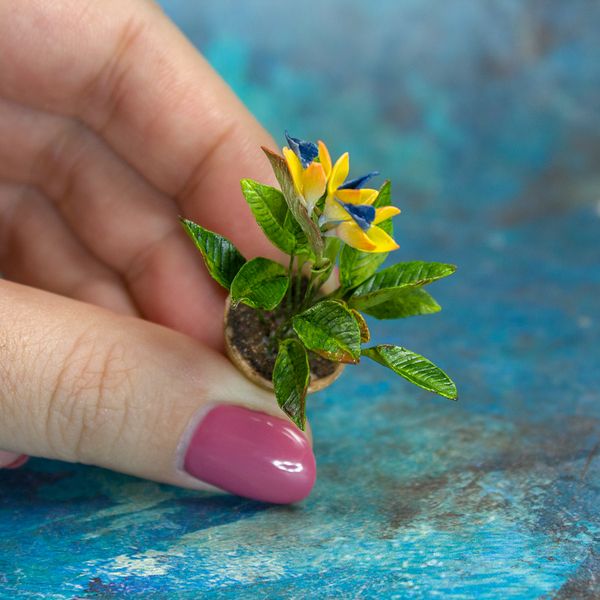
282,329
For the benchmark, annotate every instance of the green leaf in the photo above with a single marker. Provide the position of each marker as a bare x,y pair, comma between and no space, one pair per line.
260,283
291,377
221,257
294,201
413,367
290,224
270,211
357,266
387,283
365,334
332,248
407,302
329,329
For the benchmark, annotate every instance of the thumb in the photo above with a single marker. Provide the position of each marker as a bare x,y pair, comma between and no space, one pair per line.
81,384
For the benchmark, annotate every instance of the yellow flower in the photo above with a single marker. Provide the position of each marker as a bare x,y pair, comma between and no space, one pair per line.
309,176
358,227
350,192
348,206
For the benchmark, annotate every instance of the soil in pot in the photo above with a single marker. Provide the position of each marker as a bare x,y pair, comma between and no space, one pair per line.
250,334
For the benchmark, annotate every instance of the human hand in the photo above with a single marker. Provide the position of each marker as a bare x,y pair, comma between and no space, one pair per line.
111,124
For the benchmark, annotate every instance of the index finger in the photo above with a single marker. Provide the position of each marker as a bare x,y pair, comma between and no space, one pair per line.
125,70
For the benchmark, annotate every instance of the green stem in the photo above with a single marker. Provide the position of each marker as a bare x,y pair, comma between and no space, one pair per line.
299,267
289,294
283,328
310,291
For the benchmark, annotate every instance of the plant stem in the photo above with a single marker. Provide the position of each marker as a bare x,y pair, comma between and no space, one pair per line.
290,291
299,267
282,329
310,290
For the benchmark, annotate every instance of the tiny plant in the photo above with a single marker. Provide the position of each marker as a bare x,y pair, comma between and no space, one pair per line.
319,219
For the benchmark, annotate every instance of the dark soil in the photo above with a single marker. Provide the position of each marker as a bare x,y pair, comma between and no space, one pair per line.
253,335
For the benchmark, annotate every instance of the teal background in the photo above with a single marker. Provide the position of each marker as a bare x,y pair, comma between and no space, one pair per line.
485,115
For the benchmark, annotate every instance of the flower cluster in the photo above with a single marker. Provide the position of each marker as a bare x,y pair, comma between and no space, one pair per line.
348,212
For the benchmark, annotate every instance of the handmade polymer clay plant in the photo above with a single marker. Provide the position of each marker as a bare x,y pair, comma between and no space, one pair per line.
285,328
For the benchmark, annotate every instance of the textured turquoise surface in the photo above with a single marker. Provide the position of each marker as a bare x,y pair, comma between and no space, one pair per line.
485,116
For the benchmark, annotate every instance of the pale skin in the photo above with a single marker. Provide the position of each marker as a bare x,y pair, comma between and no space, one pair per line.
112,125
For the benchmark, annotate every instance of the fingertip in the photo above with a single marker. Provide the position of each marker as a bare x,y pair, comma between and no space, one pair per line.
251,454
10,460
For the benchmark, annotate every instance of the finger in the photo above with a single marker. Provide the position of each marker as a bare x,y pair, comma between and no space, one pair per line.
82,384
10,460
123,68
36,248
123,220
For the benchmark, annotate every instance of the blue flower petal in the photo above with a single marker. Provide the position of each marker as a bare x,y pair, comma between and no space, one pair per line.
363,214
355,184
305,151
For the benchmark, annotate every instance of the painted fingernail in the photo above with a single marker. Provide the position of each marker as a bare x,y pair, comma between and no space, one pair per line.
251,454
10,460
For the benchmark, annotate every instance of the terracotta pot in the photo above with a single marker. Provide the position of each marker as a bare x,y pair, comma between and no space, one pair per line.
248,370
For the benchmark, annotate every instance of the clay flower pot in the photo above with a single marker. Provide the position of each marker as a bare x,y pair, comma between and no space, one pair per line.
247,346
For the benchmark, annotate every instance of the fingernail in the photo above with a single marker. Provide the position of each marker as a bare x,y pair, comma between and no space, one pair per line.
251,454
10,460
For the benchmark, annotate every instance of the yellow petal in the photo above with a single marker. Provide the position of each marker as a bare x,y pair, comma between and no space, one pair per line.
381,241
339,173
362,196
295,167
325,158
314,182
384,213
334,211
354,236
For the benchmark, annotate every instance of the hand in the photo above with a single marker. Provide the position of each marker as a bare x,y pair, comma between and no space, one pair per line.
111,124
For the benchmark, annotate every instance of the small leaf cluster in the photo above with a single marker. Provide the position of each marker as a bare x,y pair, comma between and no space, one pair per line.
328,324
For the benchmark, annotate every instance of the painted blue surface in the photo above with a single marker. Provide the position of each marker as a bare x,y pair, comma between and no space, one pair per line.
485,116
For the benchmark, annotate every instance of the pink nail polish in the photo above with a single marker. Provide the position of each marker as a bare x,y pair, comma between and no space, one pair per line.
10,460
251,454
